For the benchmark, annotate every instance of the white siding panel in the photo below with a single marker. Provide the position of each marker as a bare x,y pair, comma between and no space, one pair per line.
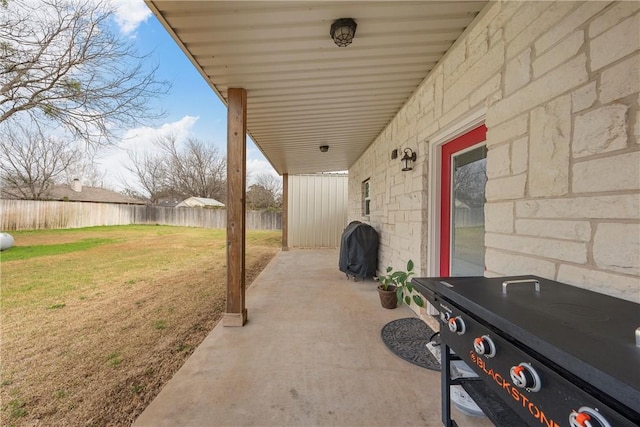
317,210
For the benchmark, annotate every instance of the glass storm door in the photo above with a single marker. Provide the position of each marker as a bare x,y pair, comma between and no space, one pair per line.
463,180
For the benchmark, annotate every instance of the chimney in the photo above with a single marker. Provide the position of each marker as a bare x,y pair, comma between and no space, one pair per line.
76,185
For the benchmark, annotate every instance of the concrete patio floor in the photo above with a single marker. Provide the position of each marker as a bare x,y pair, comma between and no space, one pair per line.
310,355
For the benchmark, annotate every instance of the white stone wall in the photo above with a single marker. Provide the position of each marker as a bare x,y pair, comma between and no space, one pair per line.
560,82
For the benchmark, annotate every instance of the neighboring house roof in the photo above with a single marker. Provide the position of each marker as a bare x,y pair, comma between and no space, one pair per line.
66,192
461,205
167,202
199,202
90,194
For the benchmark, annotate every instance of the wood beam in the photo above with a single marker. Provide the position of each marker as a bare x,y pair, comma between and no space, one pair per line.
236,313
285,212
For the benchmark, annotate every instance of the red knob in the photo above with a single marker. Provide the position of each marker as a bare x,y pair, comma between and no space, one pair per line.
456,324
581,418
484,345
524,376
587,417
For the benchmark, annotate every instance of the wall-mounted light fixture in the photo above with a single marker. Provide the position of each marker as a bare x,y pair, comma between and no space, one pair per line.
407,159
342,31
324,148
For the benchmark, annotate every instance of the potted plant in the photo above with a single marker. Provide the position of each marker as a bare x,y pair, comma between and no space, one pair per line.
395,287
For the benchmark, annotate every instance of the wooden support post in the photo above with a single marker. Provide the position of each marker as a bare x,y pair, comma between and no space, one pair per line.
285,212
236,313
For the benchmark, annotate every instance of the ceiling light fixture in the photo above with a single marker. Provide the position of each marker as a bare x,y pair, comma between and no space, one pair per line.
342,31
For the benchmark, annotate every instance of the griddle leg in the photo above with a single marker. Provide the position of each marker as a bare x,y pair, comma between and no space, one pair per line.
445,384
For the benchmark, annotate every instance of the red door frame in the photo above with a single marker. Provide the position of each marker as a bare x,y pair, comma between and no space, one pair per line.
462,142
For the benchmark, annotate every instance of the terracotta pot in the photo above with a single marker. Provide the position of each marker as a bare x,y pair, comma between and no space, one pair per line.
388,298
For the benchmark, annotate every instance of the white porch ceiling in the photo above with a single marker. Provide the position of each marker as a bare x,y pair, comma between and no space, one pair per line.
302,90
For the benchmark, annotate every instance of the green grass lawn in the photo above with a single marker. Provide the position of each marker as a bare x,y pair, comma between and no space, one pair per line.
26,252
96,320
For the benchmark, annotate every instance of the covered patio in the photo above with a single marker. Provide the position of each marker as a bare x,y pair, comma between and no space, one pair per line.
310,101
546,91
310,351
310,354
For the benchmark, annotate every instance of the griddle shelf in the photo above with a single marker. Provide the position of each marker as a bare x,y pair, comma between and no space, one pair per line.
492,405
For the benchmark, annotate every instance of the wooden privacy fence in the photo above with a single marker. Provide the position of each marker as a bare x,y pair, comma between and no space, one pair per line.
35,214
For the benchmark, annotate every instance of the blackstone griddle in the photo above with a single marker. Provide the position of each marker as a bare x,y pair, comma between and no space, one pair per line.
546,353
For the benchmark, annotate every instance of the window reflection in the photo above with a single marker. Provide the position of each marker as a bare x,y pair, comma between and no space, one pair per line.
468,198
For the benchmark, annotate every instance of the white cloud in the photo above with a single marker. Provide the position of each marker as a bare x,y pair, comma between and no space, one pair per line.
130,14
139,140
257,167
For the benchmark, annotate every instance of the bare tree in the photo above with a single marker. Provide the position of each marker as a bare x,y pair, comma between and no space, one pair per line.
132,192
259,198
469,183
192,169
270,182
86,170
30,162
61,63
265,193
196,169
152,174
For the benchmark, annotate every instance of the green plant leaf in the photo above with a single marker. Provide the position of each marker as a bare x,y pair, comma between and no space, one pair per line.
399,294
399,277
389,269
407,300
410,265
418,300
409,287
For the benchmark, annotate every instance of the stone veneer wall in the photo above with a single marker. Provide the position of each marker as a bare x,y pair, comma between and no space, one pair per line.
560,85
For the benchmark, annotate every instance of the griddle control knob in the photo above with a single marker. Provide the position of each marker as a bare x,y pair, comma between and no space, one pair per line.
524,376
587,417
456,324
485,346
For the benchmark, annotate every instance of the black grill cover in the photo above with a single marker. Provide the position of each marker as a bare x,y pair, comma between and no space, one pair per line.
359,250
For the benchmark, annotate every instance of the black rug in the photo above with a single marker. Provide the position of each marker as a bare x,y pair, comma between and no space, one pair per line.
408,338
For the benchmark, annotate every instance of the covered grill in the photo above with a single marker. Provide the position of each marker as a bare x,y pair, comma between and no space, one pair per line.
359,250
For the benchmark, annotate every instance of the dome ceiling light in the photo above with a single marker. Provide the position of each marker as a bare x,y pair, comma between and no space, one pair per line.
342,31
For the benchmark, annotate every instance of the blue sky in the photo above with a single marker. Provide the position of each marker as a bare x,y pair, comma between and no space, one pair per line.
193,109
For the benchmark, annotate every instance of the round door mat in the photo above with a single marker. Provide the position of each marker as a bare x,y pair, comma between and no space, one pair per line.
407,339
